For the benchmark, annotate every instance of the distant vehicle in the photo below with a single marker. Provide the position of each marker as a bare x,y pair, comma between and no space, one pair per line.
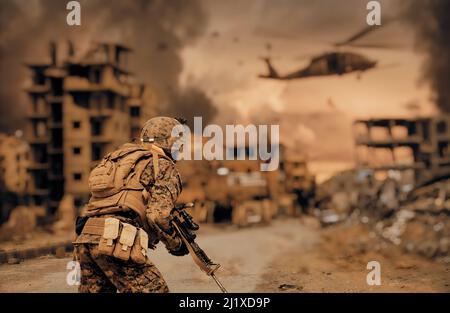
332,63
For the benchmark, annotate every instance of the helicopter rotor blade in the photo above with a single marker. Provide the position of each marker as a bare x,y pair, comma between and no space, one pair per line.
356,36
366,30
377,46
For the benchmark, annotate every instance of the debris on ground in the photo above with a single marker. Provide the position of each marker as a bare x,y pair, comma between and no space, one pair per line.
418,220
285,287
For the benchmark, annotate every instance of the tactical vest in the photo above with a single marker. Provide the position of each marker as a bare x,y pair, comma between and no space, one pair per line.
115,182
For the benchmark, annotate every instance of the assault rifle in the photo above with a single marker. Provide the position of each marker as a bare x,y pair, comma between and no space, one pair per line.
185,227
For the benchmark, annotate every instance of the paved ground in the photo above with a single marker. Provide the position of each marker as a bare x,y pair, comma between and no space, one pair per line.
297,254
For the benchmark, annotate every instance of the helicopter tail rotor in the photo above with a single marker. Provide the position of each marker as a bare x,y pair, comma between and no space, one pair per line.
272,72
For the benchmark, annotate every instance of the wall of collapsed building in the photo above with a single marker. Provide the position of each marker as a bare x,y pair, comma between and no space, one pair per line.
238,192
81,106
404,198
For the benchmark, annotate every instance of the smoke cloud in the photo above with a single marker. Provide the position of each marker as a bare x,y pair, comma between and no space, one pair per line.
430,19
156,30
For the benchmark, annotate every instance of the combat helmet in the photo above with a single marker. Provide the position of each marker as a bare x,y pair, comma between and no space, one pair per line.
158,131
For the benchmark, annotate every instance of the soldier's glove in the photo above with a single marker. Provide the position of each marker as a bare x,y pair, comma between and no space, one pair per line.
180,251
167,234
174,244
160,218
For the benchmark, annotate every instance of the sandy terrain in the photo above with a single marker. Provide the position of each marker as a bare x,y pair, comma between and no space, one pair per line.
295,253
338,264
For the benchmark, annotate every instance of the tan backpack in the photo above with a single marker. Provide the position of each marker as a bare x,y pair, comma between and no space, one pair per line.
112,174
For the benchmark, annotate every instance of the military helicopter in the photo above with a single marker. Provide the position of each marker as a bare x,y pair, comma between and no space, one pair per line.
331,63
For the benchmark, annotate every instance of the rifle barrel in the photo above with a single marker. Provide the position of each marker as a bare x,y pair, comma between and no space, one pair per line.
219,283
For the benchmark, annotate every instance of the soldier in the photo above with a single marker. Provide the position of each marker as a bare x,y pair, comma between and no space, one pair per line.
133,190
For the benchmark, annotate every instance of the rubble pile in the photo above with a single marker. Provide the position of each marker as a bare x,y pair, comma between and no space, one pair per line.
336,198
347,195
417,221
422,223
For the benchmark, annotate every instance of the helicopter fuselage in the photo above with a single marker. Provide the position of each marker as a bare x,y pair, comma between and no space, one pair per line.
331,63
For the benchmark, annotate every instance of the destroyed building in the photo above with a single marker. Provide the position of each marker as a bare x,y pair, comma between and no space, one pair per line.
238,192
392,154
420,146
80,108
221,188
14,175
394,157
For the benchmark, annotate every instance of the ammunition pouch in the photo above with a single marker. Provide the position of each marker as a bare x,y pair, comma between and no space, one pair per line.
111,231
139,249
118,239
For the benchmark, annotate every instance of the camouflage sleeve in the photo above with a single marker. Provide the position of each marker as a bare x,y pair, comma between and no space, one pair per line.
163,191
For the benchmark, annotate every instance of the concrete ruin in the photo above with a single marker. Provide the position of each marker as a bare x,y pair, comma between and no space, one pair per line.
81,107
238,192
400,186
421,146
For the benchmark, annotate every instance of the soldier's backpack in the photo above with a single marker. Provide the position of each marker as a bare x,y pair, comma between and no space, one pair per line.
111,175
115,182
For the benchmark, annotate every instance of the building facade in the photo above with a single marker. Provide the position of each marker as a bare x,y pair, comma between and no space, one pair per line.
80,109
419,145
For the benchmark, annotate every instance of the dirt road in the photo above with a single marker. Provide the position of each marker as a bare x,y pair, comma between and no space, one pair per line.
297,254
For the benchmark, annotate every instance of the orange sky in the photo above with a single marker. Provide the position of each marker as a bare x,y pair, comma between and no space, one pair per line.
226,65
220,42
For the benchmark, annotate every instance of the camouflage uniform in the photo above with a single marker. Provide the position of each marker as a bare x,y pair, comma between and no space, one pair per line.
103,273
